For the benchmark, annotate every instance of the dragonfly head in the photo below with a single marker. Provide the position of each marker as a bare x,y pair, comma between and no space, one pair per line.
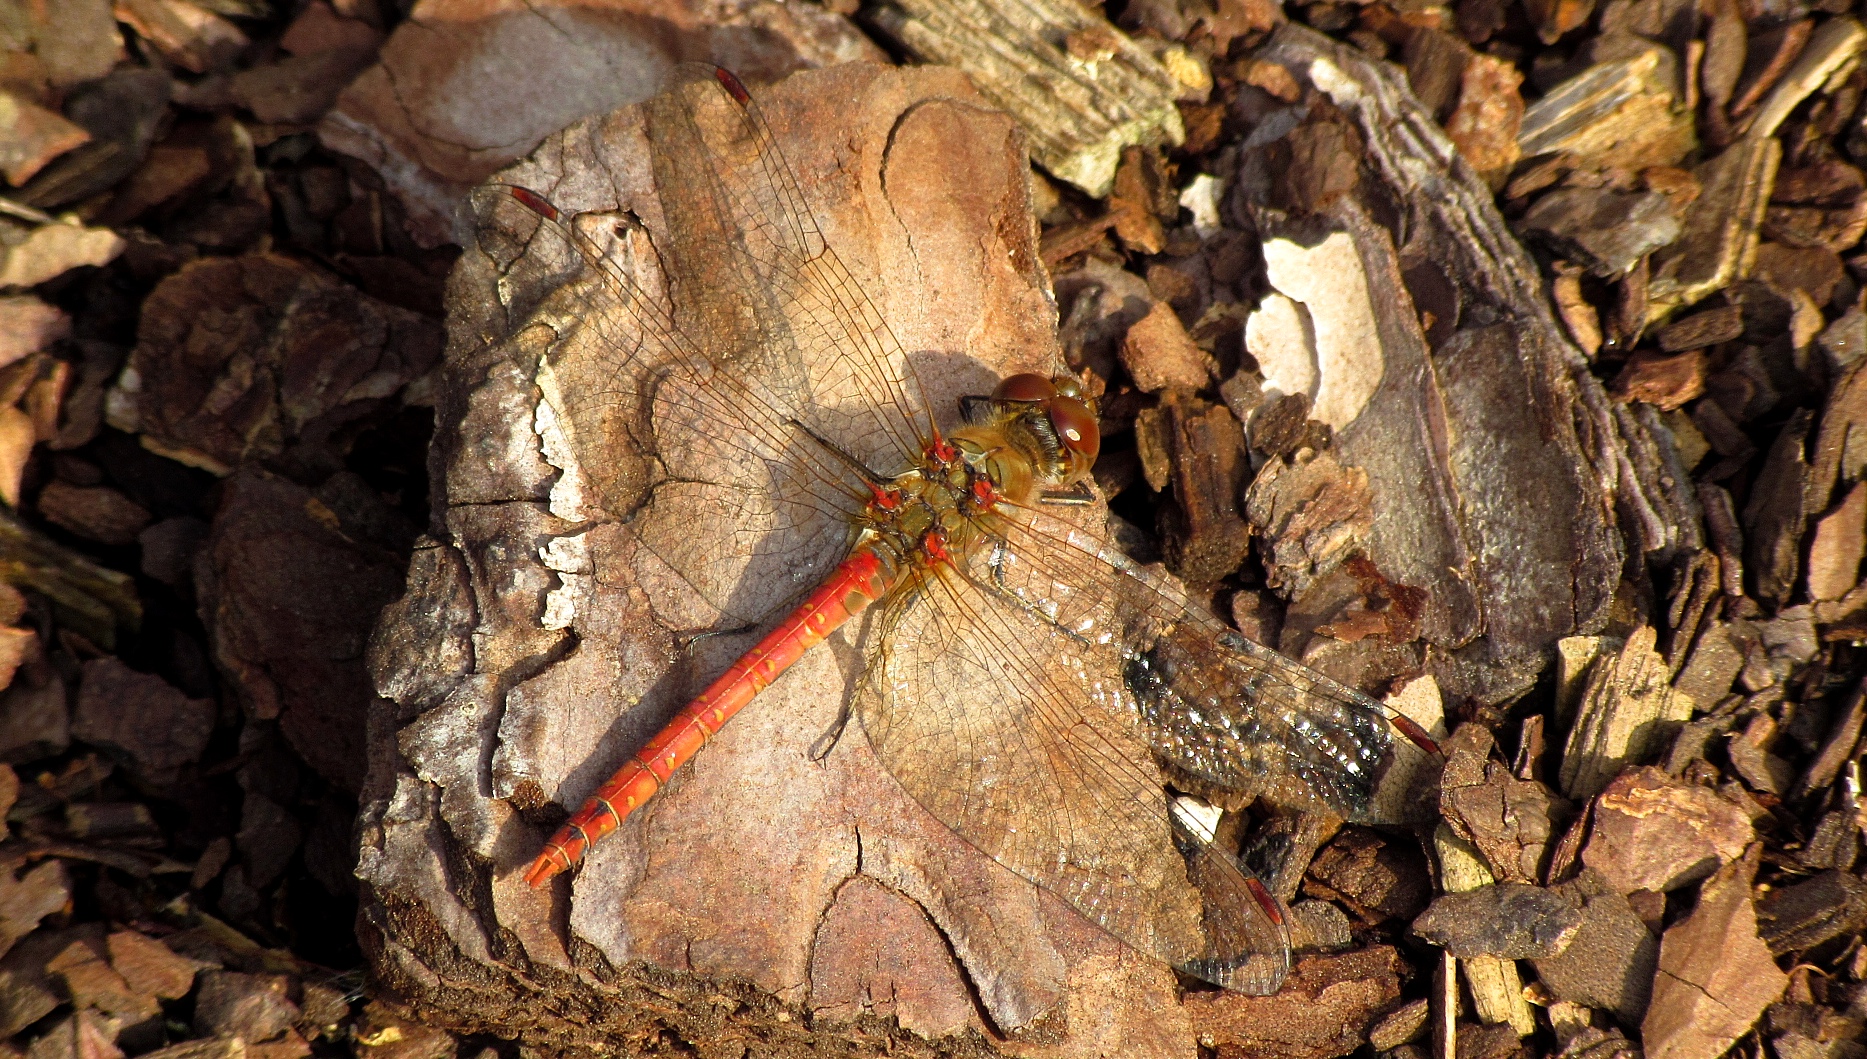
1058,419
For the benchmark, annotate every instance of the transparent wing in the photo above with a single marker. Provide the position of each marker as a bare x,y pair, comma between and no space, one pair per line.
1212,703
1013,733
720,381
751,263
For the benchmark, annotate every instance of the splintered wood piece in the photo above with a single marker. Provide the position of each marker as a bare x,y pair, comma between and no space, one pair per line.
1496,987
1627,713
1839,746
1718,236
1840,456
1832,46
1778,512
1618,113
87,598
1080,88
1808,913
1721,227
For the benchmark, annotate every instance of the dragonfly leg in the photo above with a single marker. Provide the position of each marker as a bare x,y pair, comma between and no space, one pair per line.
1078,495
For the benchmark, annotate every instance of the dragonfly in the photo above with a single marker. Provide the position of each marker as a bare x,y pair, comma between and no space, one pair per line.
1036,690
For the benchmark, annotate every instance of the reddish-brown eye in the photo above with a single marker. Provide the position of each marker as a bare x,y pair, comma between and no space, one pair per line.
1076,427
1068,385
1025,386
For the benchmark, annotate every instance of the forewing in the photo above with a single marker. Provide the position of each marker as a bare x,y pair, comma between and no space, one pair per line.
1213,704
754,272
1011,732
705,461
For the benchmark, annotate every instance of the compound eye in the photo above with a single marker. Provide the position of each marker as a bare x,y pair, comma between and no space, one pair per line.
1076,428
1025,386
1068,386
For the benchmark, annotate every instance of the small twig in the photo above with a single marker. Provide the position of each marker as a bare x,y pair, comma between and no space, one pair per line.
25,212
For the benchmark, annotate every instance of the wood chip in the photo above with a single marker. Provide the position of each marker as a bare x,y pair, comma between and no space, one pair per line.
1811,912
297,89
85,1034
86,597
1668,382
236,357
1404,1025
27,991
189,36
1776,516
1768,57
1326,1008
1715,974
17,437
1376,878
1311,514
1626,714
1579,317
1079,116
1205,533
150,966
1609,231
253,1007
1832,45
30,896
31,136
123,112
143,718
1750,756
1718,233
92,982
1136,206
1510,921
1838,747
1609,964
28,325
96,513
1509,821
1814,270
55,249
1159,354
1652,832
1707,328
1620,113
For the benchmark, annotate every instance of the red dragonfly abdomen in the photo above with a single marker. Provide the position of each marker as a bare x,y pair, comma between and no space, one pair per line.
860,580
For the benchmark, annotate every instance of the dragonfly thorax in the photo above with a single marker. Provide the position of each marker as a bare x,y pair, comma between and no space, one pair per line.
1032,436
